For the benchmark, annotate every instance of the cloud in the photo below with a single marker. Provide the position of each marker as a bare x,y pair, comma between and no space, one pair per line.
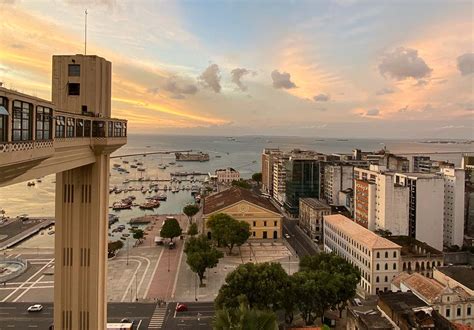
422,83
153,90
466,64
404,63
372,112
321,98
384,91
238,74
282,80
178,87
211,78
404,109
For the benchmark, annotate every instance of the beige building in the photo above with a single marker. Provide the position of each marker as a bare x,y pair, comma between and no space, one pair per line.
269,156
72,136
377,258
227,175
264,219
453,302
312,211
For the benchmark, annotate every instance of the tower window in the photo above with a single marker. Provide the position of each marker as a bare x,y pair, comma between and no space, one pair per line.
74,70
74,89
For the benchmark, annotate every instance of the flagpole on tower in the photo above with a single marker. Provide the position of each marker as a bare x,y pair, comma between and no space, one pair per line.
85,34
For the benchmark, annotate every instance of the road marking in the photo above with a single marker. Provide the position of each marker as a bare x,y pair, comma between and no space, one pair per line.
153,274
139,323
158,317
28,289
131,280
177,270
28,280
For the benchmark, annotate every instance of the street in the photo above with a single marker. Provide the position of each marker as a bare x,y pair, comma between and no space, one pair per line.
198,316
298,240
15,315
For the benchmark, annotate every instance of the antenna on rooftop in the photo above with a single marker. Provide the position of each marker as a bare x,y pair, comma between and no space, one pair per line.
85,33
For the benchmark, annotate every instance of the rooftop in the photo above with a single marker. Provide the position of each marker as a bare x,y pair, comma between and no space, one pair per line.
412,247
315,203
461,274
234,195
359,233
401,301
426,287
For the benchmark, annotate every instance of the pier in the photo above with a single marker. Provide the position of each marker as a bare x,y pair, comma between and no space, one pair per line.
151,153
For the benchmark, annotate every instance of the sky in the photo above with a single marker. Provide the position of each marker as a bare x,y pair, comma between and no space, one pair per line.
341,68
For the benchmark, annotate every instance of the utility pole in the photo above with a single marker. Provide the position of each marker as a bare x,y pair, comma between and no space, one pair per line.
85,33
127,251
136,288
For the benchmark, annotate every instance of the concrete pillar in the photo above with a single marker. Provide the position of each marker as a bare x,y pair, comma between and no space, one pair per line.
80,276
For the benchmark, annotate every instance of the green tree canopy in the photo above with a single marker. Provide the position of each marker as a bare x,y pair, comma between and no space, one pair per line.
227,231
170,229
114,246
257,177
241,183
138,234
260,283
191,210
193,229
201,255
243,318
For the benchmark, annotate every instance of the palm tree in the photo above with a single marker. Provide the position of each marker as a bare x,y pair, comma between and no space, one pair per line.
243,318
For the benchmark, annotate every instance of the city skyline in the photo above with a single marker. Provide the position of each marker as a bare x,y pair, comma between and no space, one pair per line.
326,68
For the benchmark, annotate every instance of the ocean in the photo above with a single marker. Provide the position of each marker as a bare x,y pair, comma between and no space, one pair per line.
242,153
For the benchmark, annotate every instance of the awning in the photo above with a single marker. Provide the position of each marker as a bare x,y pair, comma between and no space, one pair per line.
3,111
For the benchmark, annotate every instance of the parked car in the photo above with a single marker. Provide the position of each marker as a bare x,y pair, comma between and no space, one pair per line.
35,308
181,307
171,245
287,236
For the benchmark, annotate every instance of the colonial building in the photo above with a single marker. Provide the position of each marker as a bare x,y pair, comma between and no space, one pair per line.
227,175
418,256
454,303
242,204
377,258
312,211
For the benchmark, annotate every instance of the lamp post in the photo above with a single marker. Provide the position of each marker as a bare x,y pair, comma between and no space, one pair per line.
195,288
136,288
127,251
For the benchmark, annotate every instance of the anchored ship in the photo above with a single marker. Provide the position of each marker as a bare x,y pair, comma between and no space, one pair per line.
196,157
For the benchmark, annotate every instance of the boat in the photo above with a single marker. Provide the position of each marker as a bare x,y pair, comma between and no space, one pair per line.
30,183
126,181
38,180
125,162
139,163
116,165
118,191
149,205
162,166
218,156
172,163
133,166
141,169
189,157
117,206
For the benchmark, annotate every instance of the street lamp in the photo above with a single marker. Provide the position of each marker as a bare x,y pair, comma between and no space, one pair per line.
127,251
195,288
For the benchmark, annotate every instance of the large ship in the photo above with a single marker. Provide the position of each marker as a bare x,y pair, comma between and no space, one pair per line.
189,157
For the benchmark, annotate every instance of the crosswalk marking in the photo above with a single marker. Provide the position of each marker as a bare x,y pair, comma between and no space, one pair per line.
156,321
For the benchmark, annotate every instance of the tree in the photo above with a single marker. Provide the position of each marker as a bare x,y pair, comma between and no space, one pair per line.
290,299
244,318
347,275
241,183
257,177
227,231
260,283
170,229
201,255
113,247
193,229
138,234
315,291
191,210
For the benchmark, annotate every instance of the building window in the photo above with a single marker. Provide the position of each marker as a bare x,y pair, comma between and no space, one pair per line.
3,119
98,129
79,128
377,267
394,254
378,254
22,121
43,123
275,223
394,266
253,234
264,223
386,266
70,127
118,129
110,131
87,128
60,131
377,279
468,311
74,89
255,223
74,70
458,311
386,254
448,312
386,279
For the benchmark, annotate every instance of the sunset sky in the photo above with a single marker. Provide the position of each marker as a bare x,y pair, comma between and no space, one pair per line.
342,68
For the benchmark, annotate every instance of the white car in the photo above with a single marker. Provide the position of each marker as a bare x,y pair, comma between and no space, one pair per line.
35,308
287,236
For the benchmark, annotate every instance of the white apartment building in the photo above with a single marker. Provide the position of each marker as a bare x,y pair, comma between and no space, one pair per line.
377,258
426,206
379,203
279,178
337,177
227,175
453,225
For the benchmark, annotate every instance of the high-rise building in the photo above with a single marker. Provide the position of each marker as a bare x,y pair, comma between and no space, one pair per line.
302,180
379,203
337,177
468,166
426,204
279,178
453,225
269,155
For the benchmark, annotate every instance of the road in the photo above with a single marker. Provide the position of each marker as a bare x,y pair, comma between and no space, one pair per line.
15,315
198,316
298,240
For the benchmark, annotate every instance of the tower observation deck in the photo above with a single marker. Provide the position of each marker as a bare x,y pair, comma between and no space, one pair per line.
72,136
